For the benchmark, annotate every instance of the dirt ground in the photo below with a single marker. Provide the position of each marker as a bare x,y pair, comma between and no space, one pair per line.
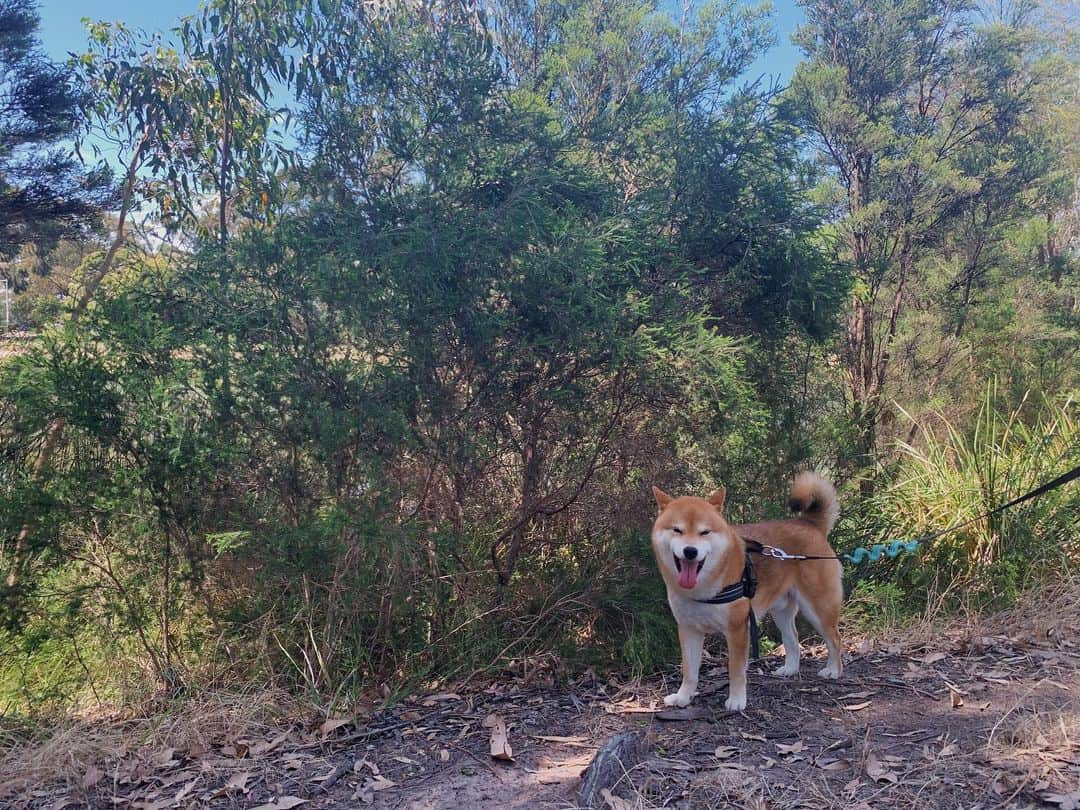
979,714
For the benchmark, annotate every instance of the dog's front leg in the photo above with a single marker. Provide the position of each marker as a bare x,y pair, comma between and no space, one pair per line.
691,642
738,645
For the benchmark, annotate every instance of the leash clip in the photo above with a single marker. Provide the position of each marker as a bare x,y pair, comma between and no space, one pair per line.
779,553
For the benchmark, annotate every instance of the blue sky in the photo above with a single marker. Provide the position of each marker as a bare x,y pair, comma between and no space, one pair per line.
62,30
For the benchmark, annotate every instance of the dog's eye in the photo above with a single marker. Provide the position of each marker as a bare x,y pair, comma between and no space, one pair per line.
704,532
676,529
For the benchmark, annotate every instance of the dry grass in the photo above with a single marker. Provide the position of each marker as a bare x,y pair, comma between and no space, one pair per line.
61,755
1041,613
1050,612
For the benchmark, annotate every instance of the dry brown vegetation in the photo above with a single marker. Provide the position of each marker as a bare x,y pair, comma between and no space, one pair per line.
981,712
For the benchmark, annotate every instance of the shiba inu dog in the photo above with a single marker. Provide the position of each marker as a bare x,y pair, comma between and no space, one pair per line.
700,554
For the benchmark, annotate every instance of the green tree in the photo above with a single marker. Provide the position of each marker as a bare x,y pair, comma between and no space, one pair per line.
926,121
499,295
45,193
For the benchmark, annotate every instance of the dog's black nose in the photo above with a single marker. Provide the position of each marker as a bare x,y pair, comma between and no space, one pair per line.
690,552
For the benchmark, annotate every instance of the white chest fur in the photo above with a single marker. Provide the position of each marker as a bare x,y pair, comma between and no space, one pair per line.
696,615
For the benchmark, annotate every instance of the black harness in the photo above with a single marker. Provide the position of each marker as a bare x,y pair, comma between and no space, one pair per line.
744,588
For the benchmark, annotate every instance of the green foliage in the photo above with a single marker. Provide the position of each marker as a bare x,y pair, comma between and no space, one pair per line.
441,294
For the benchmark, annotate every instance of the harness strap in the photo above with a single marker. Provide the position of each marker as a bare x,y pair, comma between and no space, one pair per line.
744,588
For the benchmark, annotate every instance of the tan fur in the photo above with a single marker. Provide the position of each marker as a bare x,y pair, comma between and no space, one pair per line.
815,498
784,587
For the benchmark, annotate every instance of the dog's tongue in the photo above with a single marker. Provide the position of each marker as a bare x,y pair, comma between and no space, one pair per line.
688,574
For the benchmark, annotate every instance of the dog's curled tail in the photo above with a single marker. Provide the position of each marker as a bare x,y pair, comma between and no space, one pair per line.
815,500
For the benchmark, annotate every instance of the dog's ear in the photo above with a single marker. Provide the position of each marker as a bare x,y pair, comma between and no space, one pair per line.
717,499
662,498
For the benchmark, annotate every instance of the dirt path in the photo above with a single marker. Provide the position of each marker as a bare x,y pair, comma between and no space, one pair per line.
980,716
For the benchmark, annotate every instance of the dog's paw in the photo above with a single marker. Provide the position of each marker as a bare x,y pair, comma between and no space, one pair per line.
786,671
829,671
679,699
735,704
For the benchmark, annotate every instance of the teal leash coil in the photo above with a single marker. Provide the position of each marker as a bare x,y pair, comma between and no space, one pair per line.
893,550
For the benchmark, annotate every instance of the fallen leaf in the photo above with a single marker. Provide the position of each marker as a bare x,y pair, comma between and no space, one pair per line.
794,748
858,695
332,724
499,744
768,763
878,772
237,782
725,752
932,658
366,791
406,761
857,707
955,698
260,748
834,764
444,755
949,750
284,803
864,646
747,736
360,764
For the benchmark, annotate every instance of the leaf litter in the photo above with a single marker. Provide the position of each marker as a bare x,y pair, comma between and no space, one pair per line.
902,741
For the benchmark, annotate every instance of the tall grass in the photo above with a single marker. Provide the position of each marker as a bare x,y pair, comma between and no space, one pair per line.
948,475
